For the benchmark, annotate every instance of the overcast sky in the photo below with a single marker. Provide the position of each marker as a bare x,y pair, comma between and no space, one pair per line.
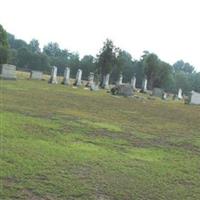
169,28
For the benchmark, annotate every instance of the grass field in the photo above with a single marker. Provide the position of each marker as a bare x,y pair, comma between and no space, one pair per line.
58,142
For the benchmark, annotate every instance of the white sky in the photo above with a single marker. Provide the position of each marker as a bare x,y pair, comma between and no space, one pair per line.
169,28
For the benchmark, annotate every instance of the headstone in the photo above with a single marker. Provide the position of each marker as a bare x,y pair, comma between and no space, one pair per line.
195,98
133,82
180,96
124,90
66,80
78,78
94,87
158,92
8,72
90,80
119,81
53,78
36,75
164,96
144,85
105,83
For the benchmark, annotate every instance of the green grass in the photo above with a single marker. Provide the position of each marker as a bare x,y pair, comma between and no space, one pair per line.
58,142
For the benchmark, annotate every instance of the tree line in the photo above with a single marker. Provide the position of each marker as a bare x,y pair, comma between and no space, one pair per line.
110,59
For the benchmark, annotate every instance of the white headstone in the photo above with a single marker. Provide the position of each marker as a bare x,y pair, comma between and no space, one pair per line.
8,72
36,75
144,84
133,82
105,84
78,78
90,80
164,96
53,78
180,96
66,80
120,80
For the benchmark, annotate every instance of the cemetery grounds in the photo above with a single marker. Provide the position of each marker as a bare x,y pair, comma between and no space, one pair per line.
58,142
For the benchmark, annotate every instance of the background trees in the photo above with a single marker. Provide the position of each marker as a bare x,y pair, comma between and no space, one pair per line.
106,58
3,45
113,60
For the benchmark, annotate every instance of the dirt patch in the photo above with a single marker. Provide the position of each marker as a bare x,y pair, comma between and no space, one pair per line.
9,182
30,195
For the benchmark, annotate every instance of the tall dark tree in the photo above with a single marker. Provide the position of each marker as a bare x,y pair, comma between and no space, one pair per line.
3,45
106,57
151,67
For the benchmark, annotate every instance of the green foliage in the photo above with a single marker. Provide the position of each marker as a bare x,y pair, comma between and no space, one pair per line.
3,45
3,37
157,71
88,64
34,46
109,60
3,55
28,60
106,58
180,65
124,65
52,49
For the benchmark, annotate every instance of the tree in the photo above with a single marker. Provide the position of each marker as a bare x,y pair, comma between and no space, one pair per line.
12,58
3,37
182,81
23,58
157,71
52,49
180,65
3,45
87,64
151,67
106,57
34,46
195,81
124,65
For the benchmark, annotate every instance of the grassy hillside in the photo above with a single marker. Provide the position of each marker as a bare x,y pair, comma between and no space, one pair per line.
58,142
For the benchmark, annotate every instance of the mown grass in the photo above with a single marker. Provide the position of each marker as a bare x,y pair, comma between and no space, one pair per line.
58,142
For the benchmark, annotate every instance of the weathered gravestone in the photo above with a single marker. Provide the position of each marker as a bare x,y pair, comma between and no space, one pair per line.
36,75
144,85
119,81
94,87
8,72
133,82
158,92
123,90
194,98
180,94
105,81
164,96
90,80
53,78
78,78
66,80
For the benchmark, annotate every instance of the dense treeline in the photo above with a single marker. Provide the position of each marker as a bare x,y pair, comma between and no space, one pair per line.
109,60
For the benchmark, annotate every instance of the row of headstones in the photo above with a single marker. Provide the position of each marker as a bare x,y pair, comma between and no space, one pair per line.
66,81
9,72
78,81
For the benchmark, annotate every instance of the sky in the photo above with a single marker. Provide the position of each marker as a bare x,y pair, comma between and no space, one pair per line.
169,28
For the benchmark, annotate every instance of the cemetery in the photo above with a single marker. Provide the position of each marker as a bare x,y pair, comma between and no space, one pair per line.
64,142
99,100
